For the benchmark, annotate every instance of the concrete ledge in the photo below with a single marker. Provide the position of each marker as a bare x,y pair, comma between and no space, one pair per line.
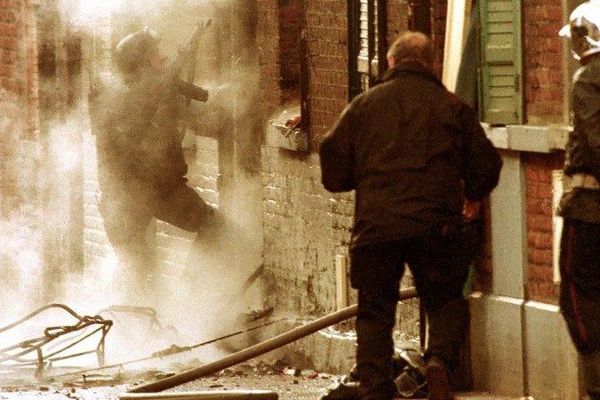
529,138
278,134
497,344
286,138
551,358
521,348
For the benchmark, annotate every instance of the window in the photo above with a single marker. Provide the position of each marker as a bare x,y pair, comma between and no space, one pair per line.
501,69
366,43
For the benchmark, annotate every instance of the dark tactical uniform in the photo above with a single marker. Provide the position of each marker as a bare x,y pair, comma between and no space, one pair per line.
580,207
141,165
411,150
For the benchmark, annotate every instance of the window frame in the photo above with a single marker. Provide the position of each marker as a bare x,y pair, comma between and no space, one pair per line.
376,44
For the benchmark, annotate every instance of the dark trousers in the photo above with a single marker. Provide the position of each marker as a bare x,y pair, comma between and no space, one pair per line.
580,295
439,262
127,217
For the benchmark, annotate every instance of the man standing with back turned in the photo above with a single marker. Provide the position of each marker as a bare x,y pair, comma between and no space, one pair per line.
580,204
420,164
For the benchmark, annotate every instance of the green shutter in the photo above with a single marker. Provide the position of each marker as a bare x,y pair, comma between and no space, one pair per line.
501,78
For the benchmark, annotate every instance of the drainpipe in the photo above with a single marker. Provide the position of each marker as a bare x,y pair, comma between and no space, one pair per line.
456,33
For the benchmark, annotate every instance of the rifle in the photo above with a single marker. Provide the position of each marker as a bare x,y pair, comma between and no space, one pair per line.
188,55
188,58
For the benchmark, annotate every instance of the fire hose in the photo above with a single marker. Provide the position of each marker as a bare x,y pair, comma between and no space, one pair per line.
256,350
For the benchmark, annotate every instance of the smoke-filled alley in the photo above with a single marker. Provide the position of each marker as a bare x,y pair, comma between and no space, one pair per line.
234,198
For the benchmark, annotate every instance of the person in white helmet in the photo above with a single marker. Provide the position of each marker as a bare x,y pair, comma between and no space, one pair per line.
580,204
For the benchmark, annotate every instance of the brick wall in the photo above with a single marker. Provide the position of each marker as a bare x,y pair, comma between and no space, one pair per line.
19,157
268,43
543,61
544,92
19,91
18,58
438,32
326,30
538,172
10,15
397,19
306,227
290,16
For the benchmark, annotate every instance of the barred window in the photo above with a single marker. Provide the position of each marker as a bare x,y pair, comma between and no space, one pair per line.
366,43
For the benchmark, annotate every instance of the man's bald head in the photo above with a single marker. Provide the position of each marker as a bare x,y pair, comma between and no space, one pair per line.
413,46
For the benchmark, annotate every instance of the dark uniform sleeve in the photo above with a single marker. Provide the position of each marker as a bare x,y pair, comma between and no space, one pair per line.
587,123
336,155
191,90
481,163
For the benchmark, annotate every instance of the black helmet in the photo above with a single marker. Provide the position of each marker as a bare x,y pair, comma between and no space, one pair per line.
133,50
584,29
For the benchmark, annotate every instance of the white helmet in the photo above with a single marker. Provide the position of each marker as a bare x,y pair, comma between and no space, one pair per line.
584,29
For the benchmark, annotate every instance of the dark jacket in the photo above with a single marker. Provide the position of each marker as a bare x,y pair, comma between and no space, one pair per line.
583,147
411,150
138,137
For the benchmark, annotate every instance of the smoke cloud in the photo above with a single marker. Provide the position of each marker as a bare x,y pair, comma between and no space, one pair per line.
193,304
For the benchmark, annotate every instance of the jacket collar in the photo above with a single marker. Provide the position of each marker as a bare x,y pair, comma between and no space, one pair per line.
591,57
410,67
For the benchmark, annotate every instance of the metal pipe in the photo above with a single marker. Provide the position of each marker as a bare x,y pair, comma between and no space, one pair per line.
258,349
204,395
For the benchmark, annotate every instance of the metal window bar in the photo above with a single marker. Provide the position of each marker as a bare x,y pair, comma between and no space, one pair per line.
367,43
354,83
372,41
382,42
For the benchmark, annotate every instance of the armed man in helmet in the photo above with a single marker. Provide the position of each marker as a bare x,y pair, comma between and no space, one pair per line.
141,165
580,204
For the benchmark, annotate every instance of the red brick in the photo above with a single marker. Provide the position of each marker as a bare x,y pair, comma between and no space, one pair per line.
8,43
539,223
541,257
7,16
8,29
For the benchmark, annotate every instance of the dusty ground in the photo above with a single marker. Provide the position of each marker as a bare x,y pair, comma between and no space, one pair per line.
287,382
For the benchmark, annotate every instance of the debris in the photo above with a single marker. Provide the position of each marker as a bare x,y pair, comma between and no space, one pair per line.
173,349
279,365
39,351
309,374
343,388
255,315
163,375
